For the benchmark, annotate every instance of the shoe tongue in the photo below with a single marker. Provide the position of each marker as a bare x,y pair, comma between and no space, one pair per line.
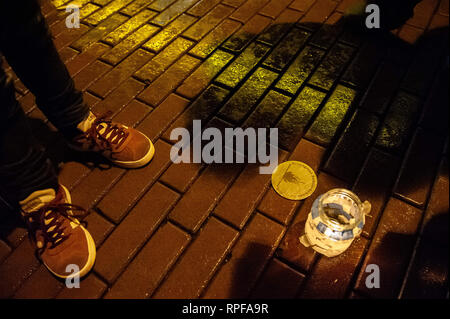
37,199
87,123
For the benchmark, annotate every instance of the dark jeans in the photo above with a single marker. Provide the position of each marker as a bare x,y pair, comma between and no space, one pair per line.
26,43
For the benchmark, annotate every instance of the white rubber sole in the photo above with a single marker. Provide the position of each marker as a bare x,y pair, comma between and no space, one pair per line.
91,249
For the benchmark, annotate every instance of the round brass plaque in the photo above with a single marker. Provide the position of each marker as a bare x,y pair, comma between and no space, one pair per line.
294,180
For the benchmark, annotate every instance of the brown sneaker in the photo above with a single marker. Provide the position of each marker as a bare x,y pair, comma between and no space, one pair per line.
60,239
122,145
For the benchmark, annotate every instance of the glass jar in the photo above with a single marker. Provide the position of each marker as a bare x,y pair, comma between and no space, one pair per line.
335,220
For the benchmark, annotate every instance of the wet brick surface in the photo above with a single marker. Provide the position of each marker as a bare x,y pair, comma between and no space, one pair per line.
365,111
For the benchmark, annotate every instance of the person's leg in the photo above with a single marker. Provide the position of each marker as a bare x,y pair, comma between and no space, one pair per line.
26,175
24,168
27,178
29,182
28,47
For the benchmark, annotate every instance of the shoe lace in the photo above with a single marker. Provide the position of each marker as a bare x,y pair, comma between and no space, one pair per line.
106,134
49,220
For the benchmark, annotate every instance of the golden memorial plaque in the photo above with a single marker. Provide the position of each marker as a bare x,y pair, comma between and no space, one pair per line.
294,180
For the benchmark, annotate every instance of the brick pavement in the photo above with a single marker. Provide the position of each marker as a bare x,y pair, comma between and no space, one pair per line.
365,112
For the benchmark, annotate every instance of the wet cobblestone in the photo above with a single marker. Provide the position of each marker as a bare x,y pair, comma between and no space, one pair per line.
242,101
327,122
